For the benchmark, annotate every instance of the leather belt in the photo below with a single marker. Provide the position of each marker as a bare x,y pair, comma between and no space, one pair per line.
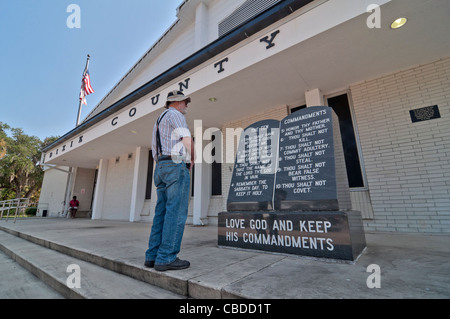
165,158
169,158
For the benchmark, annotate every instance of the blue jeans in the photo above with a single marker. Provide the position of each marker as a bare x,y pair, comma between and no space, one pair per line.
172,181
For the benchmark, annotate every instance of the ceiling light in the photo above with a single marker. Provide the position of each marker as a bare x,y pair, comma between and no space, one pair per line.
400,22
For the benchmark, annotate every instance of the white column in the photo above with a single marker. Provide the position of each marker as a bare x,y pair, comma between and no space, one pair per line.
202,192
97,207
69,189
139,183
314,98
202,178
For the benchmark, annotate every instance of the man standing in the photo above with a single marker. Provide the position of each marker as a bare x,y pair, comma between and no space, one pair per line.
173,151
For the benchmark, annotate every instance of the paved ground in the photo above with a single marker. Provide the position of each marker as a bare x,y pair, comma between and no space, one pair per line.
411,265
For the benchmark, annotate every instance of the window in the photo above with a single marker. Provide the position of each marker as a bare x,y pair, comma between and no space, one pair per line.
216,173
341,107
297,108
216,176
148,191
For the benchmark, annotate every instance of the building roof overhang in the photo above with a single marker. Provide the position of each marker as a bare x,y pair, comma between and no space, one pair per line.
237,35
330,55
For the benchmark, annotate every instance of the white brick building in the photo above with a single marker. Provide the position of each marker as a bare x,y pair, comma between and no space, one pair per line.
407,164
243,61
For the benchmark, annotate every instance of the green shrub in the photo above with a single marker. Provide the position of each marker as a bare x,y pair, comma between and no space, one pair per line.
31,211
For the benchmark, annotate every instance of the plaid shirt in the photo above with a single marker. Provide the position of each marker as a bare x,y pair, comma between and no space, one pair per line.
172,129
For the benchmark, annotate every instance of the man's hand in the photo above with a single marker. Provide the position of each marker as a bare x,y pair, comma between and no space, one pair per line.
188,143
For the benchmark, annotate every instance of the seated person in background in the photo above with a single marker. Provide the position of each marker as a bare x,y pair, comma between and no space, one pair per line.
74,203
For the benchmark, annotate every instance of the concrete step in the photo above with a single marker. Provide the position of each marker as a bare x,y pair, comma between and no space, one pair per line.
165,280
18,283
96,282
220,267
413,265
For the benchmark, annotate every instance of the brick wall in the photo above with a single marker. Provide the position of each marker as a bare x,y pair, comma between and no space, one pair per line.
407,164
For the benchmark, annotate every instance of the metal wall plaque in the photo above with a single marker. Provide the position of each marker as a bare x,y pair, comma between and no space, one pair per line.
425,114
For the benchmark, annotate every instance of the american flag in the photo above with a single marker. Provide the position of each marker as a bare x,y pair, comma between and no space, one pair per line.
86,87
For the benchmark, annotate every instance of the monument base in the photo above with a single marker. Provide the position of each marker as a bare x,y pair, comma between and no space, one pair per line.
328,234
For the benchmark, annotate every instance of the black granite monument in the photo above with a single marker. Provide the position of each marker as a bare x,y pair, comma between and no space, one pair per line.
254,170
289,191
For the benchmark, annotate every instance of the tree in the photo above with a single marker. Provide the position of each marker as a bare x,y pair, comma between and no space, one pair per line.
2,148
19,170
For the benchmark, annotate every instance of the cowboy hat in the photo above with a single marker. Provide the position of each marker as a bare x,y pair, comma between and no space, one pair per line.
176,96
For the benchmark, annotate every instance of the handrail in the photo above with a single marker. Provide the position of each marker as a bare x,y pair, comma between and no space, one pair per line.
18,204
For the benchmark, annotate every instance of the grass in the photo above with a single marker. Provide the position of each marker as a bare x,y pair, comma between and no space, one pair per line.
29,212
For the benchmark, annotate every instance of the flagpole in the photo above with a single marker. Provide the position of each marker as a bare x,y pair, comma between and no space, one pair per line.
81,101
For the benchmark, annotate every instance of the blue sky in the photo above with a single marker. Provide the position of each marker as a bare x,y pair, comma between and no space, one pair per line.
42,59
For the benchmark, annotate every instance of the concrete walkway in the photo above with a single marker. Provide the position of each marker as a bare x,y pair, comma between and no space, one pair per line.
412,265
